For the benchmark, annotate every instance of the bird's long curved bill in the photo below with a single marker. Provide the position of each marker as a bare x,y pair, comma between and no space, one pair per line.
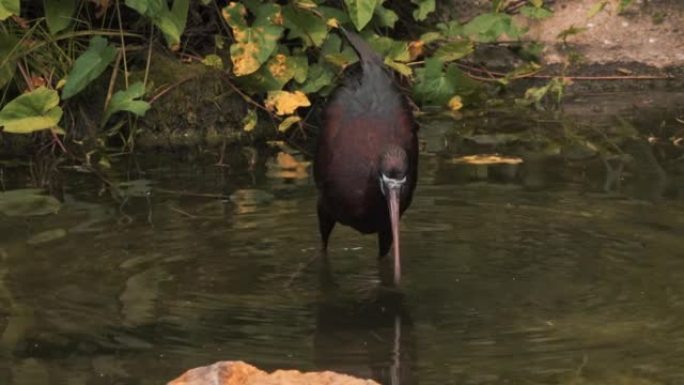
394,219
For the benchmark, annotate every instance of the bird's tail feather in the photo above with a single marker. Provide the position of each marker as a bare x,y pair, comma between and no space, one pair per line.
365,52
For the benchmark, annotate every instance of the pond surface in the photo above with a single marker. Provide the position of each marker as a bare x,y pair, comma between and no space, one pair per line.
567,268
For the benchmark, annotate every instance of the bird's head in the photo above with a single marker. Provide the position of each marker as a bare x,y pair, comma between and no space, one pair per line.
393,176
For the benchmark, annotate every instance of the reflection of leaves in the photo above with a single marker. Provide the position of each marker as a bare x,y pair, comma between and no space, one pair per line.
247,200
134,188
488,159
47,236
27,202
287,166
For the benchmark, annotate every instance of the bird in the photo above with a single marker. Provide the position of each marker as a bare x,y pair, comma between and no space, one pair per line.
366,160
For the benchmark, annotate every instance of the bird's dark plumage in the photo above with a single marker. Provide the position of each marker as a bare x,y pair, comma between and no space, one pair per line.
368,130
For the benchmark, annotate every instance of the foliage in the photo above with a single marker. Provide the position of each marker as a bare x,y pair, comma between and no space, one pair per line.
280,55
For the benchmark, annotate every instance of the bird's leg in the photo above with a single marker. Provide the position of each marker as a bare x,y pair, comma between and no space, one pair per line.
326,223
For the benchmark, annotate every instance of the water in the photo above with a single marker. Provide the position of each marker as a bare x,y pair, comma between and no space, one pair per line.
560,270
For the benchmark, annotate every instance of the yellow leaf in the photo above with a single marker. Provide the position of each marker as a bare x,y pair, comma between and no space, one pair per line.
332,23
455,103
288,122
285,103
488,159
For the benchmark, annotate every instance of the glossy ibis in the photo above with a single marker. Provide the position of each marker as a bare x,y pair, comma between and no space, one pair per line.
366,163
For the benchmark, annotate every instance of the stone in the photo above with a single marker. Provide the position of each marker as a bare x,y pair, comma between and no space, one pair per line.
242,373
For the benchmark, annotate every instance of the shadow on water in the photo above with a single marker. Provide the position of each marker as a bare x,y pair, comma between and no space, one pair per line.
566,267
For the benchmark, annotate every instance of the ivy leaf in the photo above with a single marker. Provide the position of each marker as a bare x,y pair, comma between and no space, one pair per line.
360,11
387,47
286,103
124,100
288,122
488,27
386,17
434,86
27,202
305,25
9,8
89,66
451,29
454,50
58,14
425,7
333,53
34,111
213,61
319,76
536,13
253,45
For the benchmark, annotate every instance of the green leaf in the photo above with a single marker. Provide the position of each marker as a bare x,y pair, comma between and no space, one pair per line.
89,66
386,17
360,11
451,29
596,8
253,45
58,14
9,8
8,43
301,68
387,47
425,7
234,15
488,27
429,37
333,13
434,86
535,13
288,122
571,31
27,202
399,67
305,25
319,76
333,53
47,236
170,21
124,100
34,111
454,50
213,61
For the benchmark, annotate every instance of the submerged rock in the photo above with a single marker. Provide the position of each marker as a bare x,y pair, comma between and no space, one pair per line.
241,373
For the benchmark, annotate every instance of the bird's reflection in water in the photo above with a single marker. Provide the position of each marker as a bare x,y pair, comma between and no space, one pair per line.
366,334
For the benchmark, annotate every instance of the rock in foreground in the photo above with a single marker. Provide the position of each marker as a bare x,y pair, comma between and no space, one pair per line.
241,373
